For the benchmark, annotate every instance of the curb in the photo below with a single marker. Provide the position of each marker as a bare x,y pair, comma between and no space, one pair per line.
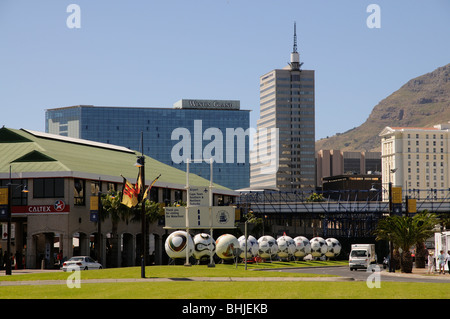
187,279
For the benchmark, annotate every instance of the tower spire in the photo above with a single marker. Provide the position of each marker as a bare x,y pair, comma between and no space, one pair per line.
294,50
295,56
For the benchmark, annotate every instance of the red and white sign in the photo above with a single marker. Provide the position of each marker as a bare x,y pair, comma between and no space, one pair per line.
59,206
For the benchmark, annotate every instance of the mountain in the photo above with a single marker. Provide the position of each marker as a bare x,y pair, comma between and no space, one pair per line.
421,102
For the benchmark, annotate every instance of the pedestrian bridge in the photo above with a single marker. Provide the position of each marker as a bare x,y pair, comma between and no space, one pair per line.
343,216
270,202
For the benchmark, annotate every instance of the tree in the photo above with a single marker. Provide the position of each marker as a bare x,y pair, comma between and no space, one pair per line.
114,210
406,232
315,198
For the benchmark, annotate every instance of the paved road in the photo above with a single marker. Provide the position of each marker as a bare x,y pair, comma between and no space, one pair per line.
362,275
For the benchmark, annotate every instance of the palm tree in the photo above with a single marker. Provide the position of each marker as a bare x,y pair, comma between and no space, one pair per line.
114,210
405,232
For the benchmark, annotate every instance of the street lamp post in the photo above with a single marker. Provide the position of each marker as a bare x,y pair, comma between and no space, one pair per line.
141,164
10,185
143,226
391,245
8,240
99,227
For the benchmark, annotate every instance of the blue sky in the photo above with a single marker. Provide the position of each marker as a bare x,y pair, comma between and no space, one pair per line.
153,53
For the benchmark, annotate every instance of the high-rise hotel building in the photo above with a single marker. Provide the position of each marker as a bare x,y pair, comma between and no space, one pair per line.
283,156
416,158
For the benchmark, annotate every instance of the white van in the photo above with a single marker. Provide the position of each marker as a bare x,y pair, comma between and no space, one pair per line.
361,256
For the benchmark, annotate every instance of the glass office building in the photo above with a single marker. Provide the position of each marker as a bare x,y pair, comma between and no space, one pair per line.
194,129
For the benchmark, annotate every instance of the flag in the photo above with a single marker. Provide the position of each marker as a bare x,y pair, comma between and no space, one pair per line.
138,187
150,187
129,195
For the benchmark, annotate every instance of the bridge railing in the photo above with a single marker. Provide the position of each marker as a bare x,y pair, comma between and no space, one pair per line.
433,200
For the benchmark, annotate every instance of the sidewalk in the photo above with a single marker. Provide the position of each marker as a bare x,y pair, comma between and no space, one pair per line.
422,272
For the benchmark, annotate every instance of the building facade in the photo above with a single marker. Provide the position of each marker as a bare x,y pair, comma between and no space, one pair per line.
193,129
336,162
283,156
416,158
62,176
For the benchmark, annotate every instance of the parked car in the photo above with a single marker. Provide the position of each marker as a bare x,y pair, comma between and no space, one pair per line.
80,263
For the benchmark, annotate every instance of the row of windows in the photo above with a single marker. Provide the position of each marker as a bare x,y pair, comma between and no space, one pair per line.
427,177
295,99
295,92
427,143
295,125
427,150
427,156
296,133
435,184
427,136
295,77
427,164
427,171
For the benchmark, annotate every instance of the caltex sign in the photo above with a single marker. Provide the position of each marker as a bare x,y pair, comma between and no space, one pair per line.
59,206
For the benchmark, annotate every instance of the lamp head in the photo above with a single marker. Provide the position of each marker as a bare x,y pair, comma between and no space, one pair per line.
140,161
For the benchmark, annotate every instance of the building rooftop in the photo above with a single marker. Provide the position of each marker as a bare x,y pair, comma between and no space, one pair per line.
32,154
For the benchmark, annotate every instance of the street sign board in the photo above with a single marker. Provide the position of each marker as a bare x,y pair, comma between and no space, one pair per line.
200,217
3,195
397,195
198,196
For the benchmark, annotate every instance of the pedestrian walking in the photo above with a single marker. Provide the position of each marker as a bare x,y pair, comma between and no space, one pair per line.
442,259
431,263
448,261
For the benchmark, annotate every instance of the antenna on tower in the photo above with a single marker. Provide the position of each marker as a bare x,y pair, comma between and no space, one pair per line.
295,57
295,38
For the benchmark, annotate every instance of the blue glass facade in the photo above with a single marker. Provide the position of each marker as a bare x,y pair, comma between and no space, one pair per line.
123,126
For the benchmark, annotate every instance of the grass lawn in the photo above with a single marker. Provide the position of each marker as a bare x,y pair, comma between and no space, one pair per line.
231,290
214,290
221,270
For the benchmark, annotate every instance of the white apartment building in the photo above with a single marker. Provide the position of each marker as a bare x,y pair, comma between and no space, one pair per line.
416,158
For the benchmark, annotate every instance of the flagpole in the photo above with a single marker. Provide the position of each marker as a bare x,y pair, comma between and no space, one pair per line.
211,259
187,263
143,220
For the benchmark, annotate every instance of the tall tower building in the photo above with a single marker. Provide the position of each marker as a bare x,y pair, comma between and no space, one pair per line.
283,155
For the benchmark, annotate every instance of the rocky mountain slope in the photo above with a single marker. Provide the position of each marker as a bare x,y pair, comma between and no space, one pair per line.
423,101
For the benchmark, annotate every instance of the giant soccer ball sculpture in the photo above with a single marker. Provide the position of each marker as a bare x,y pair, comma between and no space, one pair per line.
225,246
286,246
334,247
177,243
303,246
268,247
204,246
252,246
318,247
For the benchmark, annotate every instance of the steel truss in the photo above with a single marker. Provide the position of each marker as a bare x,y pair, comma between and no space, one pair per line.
345,216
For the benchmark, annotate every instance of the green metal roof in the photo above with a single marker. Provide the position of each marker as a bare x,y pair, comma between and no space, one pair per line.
35,154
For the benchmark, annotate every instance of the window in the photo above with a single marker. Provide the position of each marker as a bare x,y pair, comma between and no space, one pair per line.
96,186
48,187
19,198
79,193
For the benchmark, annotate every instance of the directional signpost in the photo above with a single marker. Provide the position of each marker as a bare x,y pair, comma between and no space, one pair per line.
199,213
